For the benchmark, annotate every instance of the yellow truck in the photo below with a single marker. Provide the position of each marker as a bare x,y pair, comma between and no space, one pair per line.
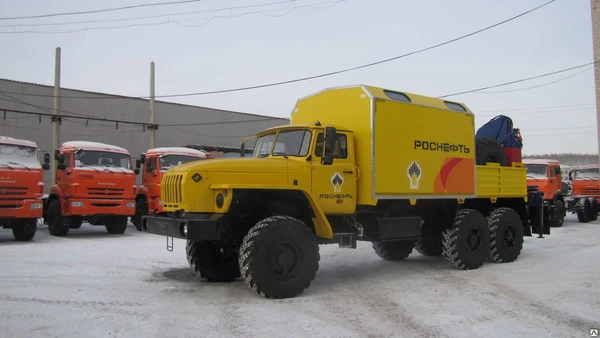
360,163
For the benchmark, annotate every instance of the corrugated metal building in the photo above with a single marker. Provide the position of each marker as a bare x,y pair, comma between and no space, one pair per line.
194,125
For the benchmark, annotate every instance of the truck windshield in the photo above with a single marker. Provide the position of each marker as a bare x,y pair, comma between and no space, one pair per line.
586,173
14,156
288,143
536,170
171,161
91,158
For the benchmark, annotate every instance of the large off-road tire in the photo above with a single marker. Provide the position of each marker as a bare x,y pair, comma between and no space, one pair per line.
466,243
488,149
116,225
75,222
394,250
506,235
57,223
279,257
430,243
141,209
594,209
583,210
213,260
25,230
558,214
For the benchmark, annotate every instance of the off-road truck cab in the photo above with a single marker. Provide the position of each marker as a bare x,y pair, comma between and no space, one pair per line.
546,176
585,192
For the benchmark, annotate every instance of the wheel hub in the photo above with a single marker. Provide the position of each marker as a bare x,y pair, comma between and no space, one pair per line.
509,236
473,240
285,260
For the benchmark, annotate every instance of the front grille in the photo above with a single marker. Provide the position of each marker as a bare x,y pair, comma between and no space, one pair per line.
171,186
106,191
12,191
590,191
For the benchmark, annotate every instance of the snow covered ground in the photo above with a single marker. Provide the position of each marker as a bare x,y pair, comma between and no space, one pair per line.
92,284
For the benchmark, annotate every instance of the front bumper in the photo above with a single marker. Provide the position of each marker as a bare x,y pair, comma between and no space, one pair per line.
91,207
28,208
195,227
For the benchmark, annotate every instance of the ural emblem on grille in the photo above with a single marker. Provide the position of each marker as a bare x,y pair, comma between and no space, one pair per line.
196,177
106,191
3,190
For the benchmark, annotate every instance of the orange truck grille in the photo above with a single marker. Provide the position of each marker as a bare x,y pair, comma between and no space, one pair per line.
105,191
590,191
11,192
172,189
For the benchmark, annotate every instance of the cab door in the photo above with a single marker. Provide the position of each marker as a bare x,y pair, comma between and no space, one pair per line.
554,182
334,185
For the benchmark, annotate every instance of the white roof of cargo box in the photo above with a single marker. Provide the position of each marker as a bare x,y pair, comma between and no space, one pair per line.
177,150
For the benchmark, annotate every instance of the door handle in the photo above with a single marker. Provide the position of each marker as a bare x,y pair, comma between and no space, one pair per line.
347,171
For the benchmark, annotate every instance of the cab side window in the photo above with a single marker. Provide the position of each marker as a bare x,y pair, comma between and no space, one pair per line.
67,162
341,146
149,164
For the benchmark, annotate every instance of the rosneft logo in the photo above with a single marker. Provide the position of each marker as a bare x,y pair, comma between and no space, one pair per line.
337,181
414,175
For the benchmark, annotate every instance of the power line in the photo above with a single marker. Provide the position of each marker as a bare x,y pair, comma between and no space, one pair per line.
101,10
168,21
343,70
591,105
521,80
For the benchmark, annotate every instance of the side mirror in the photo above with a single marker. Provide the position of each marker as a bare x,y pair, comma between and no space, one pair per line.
46,158
570,175
60,158
46,166
329,140
61,166
138,164
243,149
56,152
136,171
327,160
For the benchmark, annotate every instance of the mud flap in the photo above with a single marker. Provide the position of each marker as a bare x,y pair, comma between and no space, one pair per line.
539,213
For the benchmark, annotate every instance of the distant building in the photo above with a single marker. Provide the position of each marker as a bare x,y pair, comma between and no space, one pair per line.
195,125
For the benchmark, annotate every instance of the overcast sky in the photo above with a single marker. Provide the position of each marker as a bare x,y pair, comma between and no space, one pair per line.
263,44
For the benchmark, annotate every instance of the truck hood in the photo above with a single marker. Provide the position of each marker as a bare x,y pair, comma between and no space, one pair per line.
238,164
21,183
104,184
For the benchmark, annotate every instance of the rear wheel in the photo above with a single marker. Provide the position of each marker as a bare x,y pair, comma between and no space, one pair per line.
116,225
558,214
214,261
506,235
25,231
466,243
489,150
57,223
141,209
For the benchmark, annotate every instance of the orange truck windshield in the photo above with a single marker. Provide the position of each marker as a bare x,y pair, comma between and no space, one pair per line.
18,156
586,173
536,170
94,158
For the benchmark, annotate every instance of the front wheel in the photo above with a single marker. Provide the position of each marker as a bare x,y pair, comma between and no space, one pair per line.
57,223
141,209
279,257
116,225
26,229
558,214
583,210
594,209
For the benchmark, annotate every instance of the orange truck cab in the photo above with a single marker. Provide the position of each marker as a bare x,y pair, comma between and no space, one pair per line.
546,176
95,182
585,192
156,161
21,186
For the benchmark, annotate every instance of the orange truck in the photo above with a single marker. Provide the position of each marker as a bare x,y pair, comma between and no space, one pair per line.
585,192
156,161
546,176
95,182
21,186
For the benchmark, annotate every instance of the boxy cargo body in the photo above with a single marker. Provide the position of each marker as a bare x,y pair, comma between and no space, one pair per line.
95,182
360,163
21,186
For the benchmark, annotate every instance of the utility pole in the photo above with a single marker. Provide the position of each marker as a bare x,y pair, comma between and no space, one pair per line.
595,9
56,120
152,127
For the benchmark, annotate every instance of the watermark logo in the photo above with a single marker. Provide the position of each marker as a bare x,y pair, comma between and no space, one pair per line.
594,333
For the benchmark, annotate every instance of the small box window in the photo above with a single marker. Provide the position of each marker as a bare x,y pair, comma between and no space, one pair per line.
397,96
455,106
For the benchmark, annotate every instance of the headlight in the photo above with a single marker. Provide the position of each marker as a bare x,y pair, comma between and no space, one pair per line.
76,204
131,204
185,230
36,205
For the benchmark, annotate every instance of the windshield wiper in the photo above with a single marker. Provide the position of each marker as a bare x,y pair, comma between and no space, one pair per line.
20,164
8,165
123,170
